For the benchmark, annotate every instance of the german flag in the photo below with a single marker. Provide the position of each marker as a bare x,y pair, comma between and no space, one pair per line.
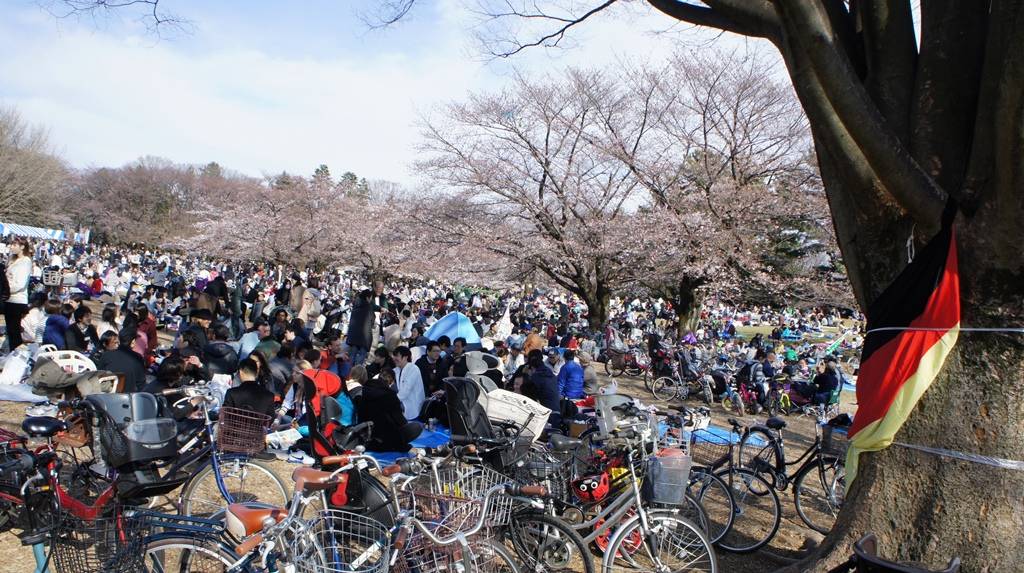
912,327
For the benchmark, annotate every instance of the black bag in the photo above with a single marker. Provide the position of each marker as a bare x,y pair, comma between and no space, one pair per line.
5,287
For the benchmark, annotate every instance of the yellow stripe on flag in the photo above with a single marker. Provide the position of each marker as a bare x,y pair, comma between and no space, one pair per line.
879,434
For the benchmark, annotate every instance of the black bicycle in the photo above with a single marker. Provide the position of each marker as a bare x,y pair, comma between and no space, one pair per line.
819,482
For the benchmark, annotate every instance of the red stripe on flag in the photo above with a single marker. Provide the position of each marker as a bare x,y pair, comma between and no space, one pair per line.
882,376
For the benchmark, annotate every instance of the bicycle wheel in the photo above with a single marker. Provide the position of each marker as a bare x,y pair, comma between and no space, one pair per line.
491,557
186,554
673,544
664,388
546,543
614,365
819,491
756,511
713,495
761,453
244,478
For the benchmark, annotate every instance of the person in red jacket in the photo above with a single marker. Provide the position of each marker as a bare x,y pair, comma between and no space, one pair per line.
147,324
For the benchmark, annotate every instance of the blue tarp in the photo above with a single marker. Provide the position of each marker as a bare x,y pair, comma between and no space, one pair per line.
428,439
453,325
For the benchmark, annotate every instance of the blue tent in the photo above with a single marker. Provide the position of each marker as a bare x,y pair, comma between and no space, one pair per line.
453,325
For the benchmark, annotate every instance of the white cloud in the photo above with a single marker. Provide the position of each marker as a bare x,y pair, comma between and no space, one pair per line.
109,99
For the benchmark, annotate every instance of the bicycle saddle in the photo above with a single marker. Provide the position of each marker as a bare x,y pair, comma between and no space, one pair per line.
43,426
560,443
734,423
775,423
309,479
243,520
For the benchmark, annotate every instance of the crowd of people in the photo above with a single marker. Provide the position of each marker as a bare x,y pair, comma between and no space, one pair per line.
273,336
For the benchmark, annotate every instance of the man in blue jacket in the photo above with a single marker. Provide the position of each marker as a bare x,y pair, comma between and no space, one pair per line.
570,377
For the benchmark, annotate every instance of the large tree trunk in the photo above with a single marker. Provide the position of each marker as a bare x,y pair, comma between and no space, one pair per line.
928,508
597,300
687,305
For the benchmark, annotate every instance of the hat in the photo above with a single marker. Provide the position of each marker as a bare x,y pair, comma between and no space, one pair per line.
552,351
516,346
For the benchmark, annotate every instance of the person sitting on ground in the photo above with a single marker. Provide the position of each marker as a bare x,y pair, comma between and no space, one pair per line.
125,361
820,390
58,320
109,320
570,377
147,325
260,331
380,404
34,323
81,335
554,361
221,356
381,361
409,383
457,360
108,342
590,382
200,321
171,376
250,395
542,385
429,365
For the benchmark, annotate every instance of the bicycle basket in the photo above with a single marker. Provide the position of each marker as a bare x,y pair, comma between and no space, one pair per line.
241,431
106,545
668,476
342,542
422,556
708,449
834,441
454,497
547,470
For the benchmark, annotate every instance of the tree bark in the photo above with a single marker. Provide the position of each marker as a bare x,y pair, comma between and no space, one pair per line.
927,508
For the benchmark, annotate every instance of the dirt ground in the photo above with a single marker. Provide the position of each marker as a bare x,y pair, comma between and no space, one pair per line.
792,540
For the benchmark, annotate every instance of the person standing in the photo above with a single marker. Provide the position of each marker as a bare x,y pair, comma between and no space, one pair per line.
18,273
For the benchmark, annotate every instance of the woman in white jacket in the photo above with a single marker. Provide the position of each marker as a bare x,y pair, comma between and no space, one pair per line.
19,271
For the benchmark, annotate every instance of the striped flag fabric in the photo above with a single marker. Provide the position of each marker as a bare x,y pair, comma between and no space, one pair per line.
912,328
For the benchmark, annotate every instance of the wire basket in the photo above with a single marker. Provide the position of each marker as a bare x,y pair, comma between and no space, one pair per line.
422,556
553,471
342,542
453,497
105,545
834,440
241,431
708,449
668,477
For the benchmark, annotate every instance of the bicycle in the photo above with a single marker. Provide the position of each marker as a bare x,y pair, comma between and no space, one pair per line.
632,535
757,512
680,385
209,475
632,362
542,541
273,538
819,482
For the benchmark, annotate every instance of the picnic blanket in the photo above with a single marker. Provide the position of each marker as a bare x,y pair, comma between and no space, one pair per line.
428,439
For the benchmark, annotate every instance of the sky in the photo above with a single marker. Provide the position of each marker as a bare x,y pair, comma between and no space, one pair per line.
263,86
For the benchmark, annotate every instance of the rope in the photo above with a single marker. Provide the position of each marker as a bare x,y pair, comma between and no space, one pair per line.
975,458
1015,330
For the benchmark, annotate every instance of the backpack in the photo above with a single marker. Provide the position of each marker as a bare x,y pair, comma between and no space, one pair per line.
5,287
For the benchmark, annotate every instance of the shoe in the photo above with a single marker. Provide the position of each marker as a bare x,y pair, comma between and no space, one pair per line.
301,458
278,453
44,409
